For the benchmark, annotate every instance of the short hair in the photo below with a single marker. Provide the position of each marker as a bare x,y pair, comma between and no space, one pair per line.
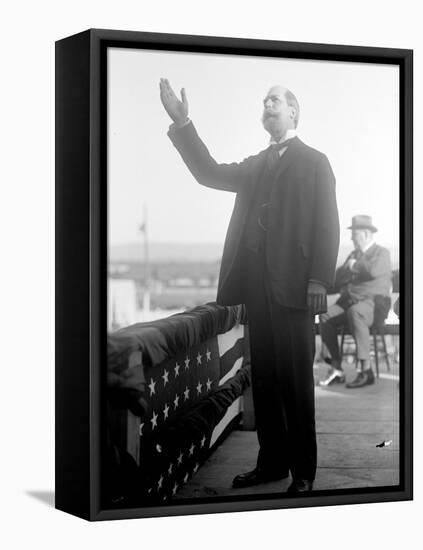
293,102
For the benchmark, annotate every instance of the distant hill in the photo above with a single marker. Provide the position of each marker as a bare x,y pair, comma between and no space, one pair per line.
162,252
197,252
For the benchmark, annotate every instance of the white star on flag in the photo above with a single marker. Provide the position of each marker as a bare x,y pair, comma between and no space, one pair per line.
177,367
208,384
199,386
176,401
154,421
160,482
166,411
152,386
208,355
180,458
186,477
199,358
191,449
169,470
203,441
186,363
196,467
175,488
141,427
186,393
165,377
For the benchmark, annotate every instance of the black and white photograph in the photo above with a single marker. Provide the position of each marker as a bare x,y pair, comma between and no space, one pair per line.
253,278
211,274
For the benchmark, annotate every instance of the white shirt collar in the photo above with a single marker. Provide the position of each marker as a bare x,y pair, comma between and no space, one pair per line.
292,132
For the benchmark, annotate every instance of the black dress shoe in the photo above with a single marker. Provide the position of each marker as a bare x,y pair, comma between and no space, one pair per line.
364,378
300,486
255,477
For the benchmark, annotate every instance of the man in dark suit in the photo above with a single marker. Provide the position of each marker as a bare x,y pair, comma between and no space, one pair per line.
365,274
279,257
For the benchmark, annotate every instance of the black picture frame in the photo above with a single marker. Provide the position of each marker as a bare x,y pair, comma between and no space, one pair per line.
81,264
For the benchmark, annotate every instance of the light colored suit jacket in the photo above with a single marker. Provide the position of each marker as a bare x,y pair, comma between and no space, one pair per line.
370,276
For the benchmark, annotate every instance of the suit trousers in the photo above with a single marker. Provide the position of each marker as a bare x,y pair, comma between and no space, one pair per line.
359,317
282,352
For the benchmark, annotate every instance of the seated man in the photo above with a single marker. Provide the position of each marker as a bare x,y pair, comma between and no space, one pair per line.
365,274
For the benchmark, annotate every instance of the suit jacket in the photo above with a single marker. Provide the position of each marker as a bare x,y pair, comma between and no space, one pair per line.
303,229
370,276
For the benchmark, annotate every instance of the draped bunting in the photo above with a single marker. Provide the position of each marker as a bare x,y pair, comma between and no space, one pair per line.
192,368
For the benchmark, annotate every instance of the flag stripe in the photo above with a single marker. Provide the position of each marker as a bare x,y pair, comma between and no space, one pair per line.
235,368
228,360
233,410
226,340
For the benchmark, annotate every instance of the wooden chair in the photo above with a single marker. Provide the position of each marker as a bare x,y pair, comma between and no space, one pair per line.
382,307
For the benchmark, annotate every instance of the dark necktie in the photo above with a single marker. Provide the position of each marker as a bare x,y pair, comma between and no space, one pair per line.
273,155
357,254
272,160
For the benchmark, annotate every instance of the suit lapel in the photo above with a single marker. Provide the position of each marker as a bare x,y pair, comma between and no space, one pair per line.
288,157
370,251
259,166
256,174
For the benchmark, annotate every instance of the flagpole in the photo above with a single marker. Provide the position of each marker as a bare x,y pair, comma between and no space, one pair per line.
146,297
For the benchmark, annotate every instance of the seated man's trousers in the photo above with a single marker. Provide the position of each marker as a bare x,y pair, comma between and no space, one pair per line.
358,318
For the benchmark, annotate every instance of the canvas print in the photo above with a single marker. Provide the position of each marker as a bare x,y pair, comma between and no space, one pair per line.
252,278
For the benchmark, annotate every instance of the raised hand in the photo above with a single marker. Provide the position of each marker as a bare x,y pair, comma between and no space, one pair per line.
175,108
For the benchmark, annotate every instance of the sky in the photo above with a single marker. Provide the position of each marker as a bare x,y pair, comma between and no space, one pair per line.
349,111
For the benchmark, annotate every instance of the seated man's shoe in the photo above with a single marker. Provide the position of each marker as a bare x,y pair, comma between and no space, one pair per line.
370,376
300,486
335,377
364,378
256,477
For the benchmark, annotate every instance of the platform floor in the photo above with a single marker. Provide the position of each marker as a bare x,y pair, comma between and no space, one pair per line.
350,423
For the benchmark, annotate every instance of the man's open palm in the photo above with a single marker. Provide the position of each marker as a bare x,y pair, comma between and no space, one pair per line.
175,108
